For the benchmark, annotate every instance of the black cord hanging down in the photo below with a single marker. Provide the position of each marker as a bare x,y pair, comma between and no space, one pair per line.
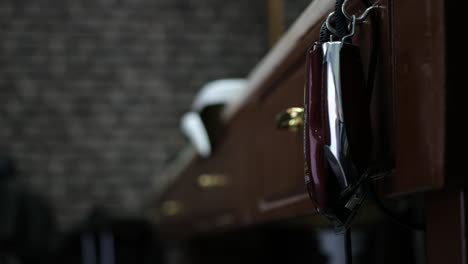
341,23
374,55
324,34
348,247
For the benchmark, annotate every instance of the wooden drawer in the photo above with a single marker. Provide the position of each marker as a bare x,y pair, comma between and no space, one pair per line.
279,152
200,201
215,192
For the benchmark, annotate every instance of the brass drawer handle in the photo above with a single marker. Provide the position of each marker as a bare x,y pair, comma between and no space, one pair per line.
291,119
171,208
207,181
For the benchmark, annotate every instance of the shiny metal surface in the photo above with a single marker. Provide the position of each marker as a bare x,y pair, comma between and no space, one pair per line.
291,119
328,23
336,123
337,151
362,17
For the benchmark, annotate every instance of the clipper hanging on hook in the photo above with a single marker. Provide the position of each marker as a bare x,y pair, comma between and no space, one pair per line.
337,124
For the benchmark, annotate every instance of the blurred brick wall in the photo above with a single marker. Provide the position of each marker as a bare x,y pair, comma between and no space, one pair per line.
91,90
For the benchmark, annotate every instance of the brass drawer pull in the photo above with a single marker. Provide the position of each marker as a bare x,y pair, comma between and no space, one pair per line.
171,208
207,181
291,119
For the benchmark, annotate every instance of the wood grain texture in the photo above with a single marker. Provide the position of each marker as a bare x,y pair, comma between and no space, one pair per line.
419,89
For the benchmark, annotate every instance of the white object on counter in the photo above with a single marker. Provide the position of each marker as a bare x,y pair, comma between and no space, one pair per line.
219,92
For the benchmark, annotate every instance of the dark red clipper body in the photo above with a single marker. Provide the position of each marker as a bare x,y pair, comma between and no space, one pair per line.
337,129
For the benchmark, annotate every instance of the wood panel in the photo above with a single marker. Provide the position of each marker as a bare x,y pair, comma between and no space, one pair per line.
419,89
280,155
215,193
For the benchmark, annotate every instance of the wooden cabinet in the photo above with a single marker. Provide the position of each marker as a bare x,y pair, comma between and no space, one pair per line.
419,89
261,167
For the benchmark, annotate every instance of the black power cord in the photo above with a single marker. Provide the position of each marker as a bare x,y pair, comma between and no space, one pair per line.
348,246
324,34
341,23
374,55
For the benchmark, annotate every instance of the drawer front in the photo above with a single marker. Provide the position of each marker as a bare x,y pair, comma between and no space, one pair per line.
279,152
200,200
216,192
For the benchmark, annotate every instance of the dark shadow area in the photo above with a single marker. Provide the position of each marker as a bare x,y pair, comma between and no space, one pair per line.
104,239
28,232
27,226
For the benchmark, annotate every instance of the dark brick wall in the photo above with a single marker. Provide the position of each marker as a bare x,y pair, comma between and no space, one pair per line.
91,91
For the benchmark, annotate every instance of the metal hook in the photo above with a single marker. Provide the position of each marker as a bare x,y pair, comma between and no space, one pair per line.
328,23
362,17
353,29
